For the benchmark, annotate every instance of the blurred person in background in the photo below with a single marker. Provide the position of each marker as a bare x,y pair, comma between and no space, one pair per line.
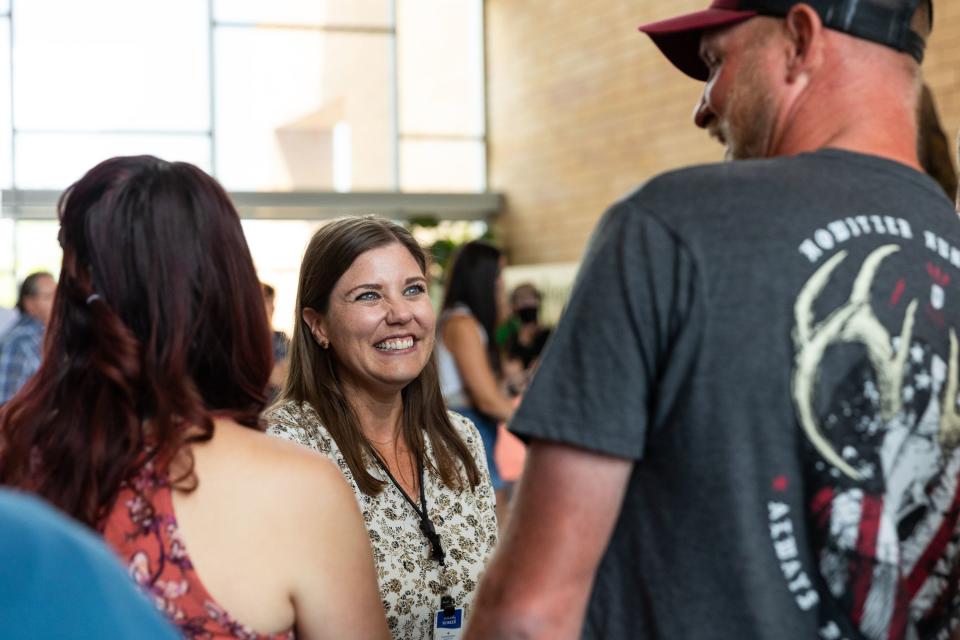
58,580
527,337
281,345
933,147
142,421
22,345
522,342
467,355
363,390
956,195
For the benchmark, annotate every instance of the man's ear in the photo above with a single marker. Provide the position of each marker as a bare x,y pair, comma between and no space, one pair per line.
314,321
804,32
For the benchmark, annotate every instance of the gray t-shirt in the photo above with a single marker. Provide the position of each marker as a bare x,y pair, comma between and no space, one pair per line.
774,343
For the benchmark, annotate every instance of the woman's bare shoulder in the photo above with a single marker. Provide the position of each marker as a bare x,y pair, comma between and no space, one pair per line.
276,466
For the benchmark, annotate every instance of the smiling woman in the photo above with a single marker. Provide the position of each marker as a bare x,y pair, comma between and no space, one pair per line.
380,320
363,389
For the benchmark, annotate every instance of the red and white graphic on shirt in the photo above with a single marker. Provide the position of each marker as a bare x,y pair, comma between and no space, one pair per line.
884,464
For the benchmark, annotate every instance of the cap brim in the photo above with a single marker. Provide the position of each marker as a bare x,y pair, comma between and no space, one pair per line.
679,38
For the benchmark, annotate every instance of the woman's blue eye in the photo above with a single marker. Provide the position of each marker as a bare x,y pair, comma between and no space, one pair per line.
368,295
414,290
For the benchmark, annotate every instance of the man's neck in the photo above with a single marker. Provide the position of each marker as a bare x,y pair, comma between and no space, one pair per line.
859,139
871,119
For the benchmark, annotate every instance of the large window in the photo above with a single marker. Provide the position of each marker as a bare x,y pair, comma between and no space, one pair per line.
94,79
308,96
441,102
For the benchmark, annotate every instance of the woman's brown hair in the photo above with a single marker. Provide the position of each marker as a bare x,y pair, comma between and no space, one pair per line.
157,327
313,378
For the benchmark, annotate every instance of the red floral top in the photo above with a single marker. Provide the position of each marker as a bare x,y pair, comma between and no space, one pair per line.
142,528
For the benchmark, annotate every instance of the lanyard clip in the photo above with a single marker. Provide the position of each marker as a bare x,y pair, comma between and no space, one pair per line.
446,604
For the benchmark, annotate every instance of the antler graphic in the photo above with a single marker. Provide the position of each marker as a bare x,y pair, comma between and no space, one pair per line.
852,322
949,419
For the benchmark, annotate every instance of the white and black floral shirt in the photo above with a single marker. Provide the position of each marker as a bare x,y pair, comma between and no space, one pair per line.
411,582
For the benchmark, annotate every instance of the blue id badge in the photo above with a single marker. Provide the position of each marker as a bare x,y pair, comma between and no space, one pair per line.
448,627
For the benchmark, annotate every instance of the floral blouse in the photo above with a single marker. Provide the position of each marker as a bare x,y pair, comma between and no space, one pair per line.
143,530
411,581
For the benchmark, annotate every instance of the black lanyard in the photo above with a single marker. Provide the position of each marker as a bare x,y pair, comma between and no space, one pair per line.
426,525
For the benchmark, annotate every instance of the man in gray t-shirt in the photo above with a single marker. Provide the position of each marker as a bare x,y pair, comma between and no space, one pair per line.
746,424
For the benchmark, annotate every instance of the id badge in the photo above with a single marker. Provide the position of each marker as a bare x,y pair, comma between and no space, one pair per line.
448,627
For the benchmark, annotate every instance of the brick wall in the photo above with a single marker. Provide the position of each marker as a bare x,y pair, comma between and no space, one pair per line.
582,108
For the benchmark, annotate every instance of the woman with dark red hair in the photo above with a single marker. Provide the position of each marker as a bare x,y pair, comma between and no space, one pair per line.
142,421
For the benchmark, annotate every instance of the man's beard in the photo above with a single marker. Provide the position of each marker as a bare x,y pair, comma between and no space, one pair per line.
748,123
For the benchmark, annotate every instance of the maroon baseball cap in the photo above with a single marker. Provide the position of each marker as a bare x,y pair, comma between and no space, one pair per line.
883,21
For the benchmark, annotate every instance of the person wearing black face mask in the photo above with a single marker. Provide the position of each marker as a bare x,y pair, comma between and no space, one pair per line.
526,343
528,315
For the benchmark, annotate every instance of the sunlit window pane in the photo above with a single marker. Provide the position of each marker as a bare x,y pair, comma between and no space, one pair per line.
7,266
37,247
6,244
277,247
440,66
111,64
442,165
5,122
366,13
55,161
303,110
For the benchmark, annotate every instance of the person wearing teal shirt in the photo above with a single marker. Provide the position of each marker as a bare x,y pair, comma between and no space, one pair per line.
58,580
